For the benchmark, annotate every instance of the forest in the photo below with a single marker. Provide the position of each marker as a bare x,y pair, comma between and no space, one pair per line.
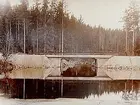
38,29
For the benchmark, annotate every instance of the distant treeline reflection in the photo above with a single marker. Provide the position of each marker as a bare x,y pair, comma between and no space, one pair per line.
71,89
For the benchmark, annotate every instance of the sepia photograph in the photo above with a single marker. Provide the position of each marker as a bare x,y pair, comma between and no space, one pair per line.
63,52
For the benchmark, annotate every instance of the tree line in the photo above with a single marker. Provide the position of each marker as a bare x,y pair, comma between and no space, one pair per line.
38,29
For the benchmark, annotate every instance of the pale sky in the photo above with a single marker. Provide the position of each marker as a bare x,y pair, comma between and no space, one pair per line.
107,13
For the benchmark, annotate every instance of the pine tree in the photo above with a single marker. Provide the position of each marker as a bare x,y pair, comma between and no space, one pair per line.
131,25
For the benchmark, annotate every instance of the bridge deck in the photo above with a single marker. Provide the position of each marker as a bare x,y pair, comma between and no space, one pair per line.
79,78
71,78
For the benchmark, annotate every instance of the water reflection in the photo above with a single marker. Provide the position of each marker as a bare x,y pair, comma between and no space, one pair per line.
103,90
117,90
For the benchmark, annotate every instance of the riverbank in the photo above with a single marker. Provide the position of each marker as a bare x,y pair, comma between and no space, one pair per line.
65,102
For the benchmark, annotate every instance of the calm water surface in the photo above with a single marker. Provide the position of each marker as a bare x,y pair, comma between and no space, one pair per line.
44,92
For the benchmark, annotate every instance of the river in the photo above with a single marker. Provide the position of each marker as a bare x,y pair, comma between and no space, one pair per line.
40,92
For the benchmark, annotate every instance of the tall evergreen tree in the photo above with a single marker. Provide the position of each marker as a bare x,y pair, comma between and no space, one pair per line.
131,25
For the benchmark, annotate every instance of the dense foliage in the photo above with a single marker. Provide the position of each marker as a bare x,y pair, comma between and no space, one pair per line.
40,26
